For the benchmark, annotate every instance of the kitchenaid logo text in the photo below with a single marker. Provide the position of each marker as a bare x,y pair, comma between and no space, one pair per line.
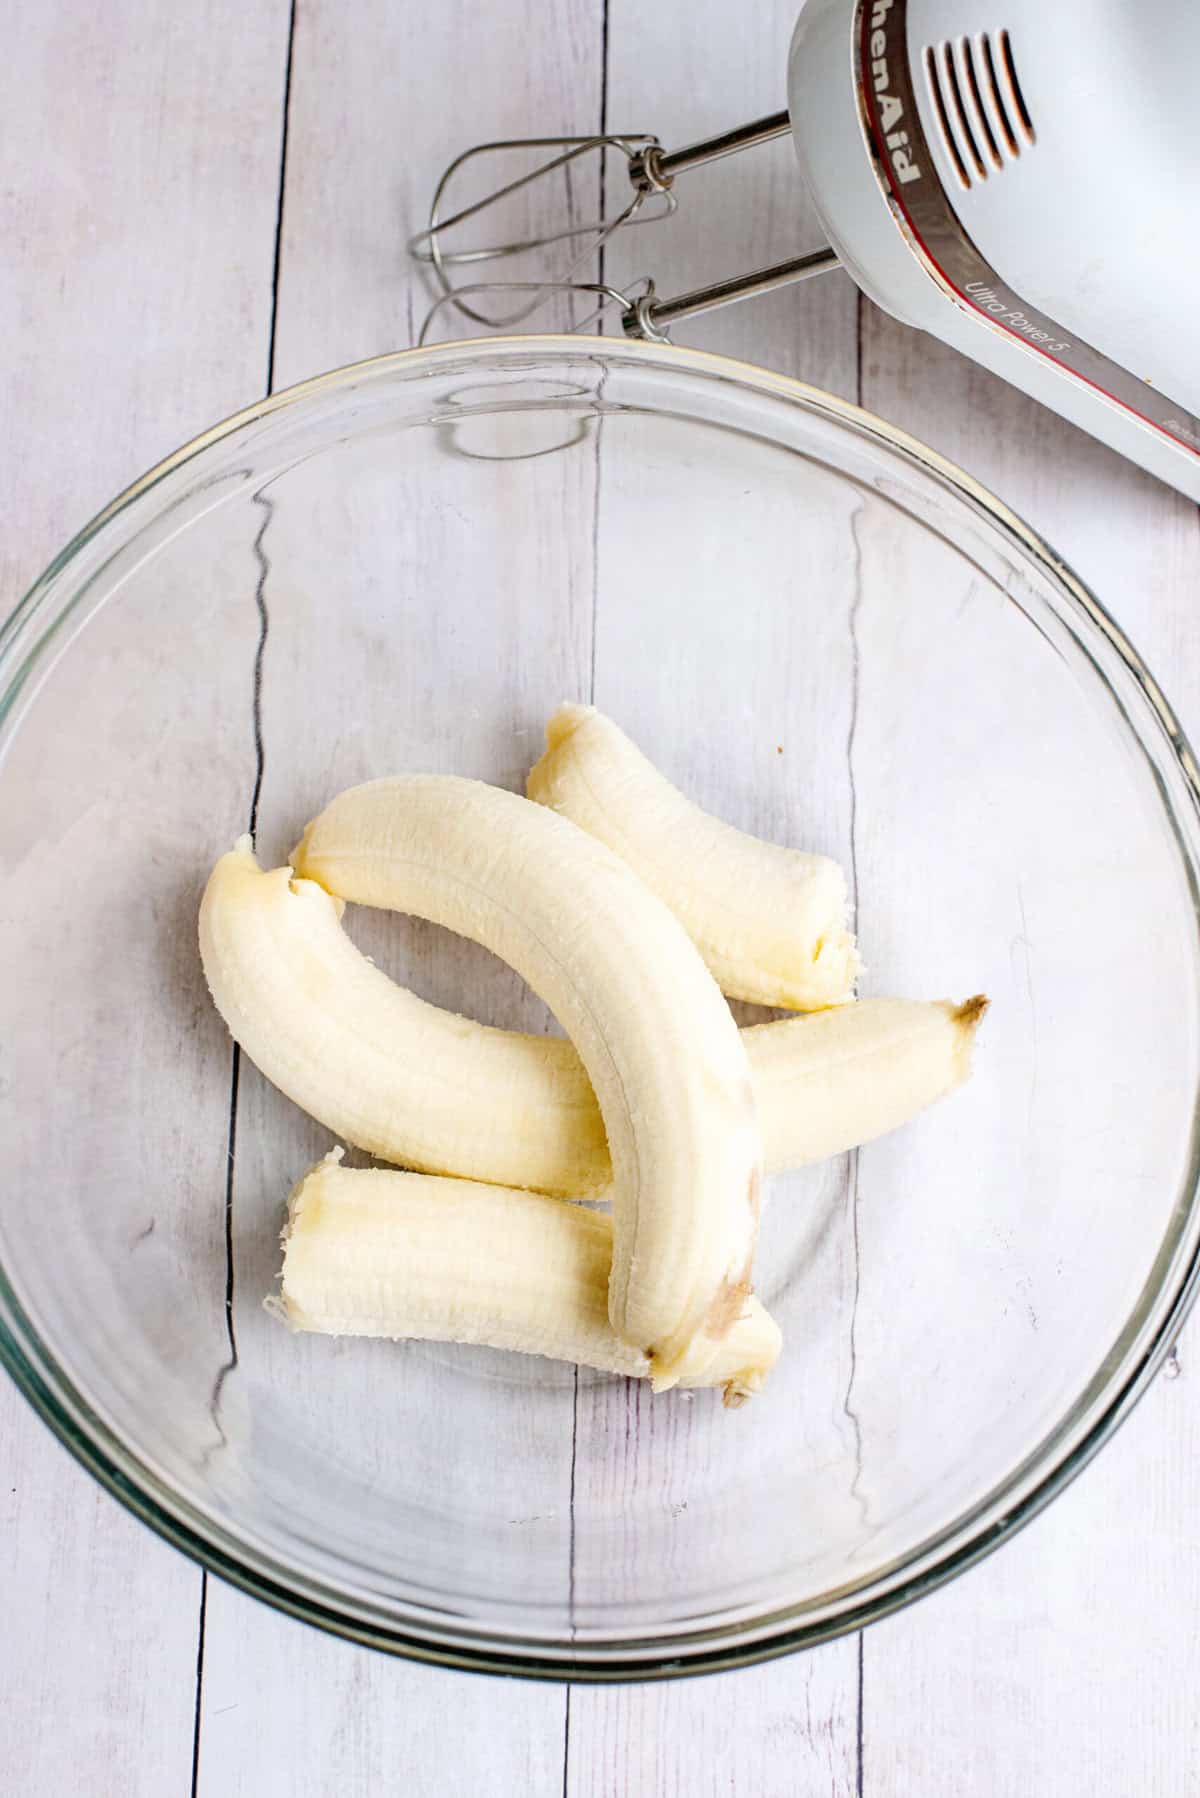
988,300
891,107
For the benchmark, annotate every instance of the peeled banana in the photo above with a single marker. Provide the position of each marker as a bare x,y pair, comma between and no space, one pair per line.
769,922
827,1083
420,1086
661,1050
381,1253
383,1070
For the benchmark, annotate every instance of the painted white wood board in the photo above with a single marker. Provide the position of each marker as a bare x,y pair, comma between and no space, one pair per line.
284,1708
134,308
688,72
1056,1665
684,77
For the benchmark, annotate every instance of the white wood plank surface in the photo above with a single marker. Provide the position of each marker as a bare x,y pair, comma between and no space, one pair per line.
285,1709
685,73
1055,1666
773,1731
137,297
134,307
725,65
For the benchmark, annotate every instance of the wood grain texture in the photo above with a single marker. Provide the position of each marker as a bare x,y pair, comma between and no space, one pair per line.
134,305
686,72
286,1709
290,1714
384,96
1056,1664
774,1731
136,297
771,756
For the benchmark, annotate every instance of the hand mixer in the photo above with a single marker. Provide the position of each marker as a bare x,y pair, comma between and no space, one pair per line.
1045,222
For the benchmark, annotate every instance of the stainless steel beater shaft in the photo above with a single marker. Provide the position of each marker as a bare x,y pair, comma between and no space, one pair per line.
652,171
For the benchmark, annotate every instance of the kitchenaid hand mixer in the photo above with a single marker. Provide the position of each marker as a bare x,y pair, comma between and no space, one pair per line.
1021,181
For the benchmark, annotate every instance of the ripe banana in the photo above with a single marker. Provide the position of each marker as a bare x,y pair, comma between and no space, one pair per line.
770,922
417,1085
379,1253
827,1083
661,1050
382,1069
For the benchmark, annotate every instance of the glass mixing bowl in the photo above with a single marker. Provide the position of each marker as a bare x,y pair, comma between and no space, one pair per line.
827,635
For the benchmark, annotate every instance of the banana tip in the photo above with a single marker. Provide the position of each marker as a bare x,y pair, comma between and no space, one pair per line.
971,1012
565,722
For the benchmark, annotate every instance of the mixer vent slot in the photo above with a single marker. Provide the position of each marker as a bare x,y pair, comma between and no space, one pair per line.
978,104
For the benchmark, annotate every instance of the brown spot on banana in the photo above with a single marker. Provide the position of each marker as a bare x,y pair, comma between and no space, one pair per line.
754,1194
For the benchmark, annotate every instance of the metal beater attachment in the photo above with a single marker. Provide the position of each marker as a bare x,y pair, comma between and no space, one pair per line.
651,172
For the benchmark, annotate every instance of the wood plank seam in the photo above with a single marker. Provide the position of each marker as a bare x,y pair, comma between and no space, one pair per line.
599,435
263,572
853,1159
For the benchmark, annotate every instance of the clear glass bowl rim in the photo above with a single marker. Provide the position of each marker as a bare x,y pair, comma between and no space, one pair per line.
440,1638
